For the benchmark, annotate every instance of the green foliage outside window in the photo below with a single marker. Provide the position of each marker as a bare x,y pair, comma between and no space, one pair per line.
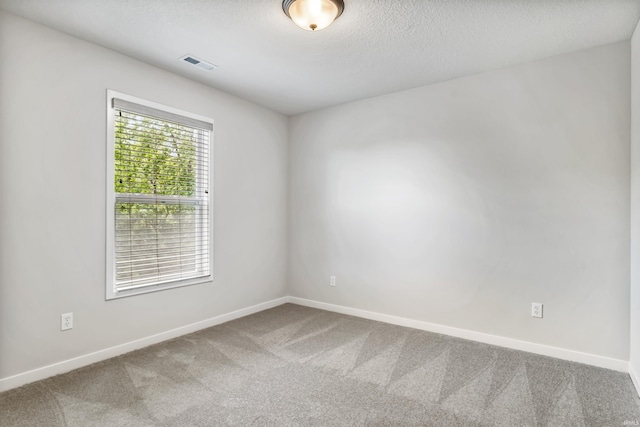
154,157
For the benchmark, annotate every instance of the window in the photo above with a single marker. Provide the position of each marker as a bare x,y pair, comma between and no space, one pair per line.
158,197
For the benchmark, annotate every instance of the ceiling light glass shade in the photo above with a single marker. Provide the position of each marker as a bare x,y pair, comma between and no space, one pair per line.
313,15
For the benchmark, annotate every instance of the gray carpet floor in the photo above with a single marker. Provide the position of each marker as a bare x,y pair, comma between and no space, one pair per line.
294,365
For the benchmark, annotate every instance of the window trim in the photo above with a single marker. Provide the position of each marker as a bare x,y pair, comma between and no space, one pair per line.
111,198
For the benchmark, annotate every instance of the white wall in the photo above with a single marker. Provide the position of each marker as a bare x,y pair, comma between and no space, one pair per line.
461,203
635,209
52,199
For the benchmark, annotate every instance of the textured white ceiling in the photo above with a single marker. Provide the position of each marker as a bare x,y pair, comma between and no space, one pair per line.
375,47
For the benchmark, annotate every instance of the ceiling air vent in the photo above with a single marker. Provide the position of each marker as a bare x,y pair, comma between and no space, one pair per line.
190,59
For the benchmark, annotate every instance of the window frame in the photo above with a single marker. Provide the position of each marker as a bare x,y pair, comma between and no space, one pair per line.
112,199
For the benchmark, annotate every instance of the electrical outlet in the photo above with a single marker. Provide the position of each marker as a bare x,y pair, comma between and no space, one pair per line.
332,281
66,321
536,309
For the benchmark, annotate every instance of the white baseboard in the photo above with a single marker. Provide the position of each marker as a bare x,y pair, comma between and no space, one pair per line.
634,378
87,359
545,350
98,356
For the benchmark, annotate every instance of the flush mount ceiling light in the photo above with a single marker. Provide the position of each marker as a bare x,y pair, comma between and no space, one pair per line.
313,15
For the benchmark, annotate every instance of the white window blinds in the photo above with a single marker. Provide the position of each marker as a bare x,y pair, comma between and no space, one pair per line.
160,197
